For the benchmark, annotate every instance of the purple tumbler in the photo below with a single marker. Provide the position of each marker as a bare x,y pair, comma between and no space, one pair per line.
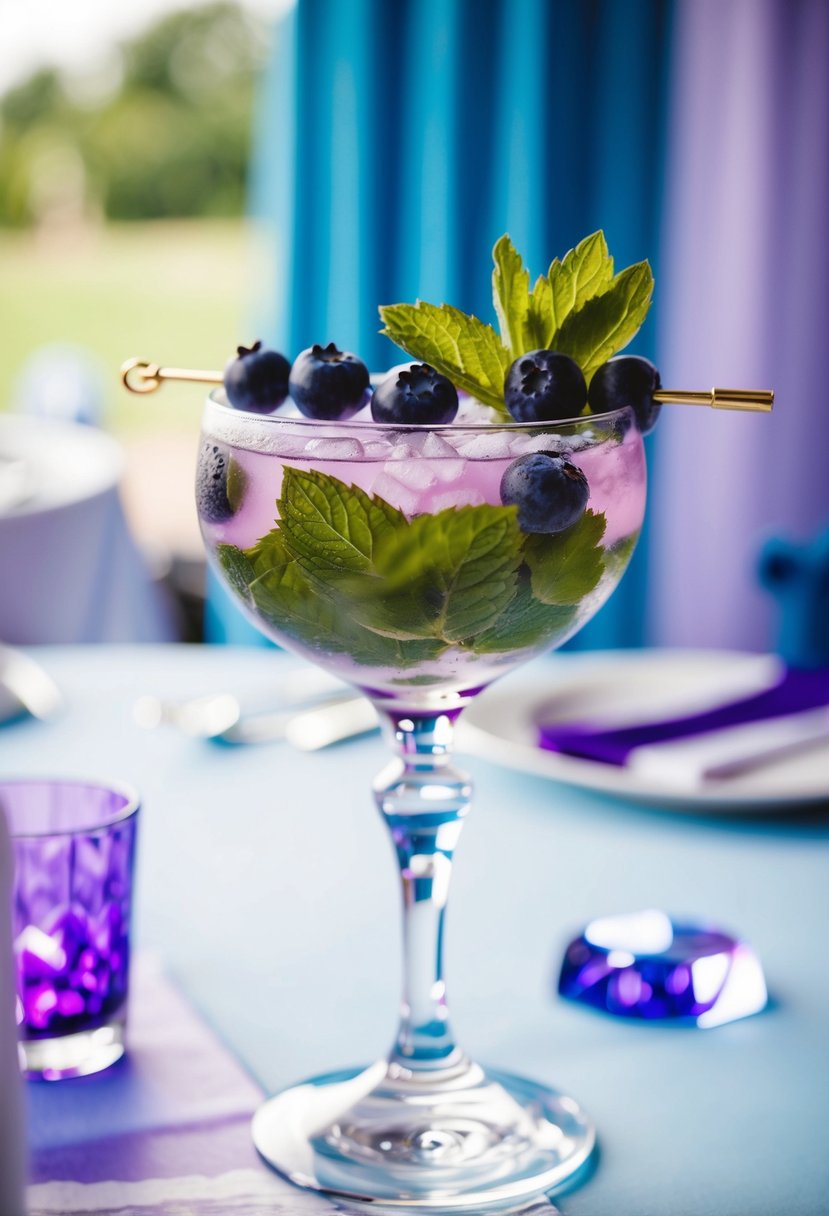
74,847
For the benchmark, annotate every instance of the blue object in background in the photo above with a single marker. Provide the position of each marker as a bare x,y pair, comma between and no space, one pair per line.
62,382
798,577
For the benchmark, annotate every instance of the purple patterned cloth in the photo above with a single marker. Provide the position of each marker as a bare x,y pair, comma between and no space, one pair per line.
796,691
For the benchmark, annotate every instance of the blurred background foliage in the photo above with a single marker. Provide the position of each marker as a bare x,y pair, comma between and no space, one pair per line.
160,129
122,198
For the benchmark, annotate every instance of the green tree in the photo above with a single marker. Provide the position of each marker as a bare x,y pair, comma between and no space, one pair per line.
172,141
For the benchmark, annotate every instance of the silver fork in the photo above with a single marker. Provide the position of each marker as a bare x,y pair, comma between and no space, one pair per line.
219,718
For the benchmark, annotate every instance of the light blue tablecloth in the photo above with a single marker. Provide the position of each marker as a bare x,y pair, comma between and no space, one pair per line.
267,885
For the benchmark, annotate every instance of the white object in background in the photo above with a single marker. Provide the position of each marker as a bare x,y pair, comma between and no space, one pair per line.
71,571
12,1141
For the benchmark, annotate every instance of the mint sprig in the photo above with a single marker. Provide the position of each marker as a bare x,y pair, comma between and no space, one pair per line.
344,572
579,308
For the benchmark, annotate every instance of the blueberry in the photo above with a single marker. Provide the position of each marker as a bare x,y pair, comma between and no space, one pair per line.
257,380
415,394
327,383
220,484
544,386
550,493
627,380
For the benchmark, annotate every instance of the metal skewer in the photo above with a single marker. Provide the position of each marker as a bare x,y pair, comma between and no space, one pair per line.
757,399
141,376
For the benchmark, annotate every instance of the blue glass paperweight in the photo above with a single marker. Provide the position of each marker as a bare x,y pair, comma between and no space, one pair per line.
647,966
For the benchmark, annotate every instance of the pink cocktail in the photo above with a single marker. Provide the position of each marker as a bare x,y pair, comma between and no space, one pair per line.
417,472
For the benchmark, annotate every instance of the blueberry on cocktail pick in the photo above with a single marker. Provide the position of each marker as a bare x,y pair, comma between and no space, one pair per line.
551,493
415,394
220,483
627,380
544,386
327,383
257,379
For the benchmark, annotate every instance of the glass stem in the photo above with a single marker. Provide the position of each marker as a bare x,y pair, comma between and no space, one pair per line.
423,799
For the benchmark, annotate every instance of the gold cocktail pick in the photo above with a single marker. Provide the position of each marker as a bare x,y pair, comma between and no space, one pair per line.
141,376
758,399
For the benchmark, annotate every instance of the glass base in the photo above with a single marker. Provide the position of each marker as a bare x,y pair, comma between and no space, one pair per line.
72,1055
458,1139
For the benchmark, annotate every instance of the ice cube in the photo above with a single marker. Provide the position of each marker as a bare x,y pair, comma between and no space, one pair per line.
522,445
434,445
449,470
378,449
416,439
446,464
461,497
334,449
292,445
416,474
486,447
398,495
403,450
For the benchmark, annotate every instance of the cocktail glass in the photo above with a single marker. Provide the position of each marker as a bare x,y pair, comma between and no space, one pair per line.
384,554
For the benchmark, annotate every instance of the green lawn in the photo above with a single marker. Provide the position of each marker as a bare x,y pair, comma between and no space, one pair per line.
174,292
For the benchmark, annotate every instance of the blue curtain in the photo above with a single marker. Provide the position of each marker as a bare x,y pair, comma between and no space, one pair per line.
397,141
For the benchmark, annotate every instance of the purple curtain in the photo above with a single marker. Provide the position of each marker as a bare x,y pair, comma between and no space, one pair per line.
743,301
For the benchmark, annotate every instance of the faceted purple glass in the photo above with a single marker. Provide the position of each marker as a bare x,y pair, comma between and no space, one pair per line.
649,967
74,846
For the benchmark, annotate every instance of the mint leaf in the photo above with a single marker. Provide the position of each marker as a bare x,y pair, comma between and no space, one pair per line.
566,566
526,622
287,598
583,272
237,569
459,566
616,558
511,296
329,526
460,347
319,616
541,323
605,323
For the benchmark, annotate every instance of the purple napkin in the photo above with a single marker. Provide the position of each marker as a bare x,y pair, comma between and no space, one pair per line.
797,690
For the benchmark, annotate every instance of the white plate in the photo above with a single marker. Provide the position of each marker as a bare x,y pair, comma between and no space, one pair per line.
615,687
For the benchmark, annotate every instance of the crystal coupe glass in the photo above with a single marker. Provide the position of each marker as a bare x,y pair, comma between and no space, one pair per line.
383,553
